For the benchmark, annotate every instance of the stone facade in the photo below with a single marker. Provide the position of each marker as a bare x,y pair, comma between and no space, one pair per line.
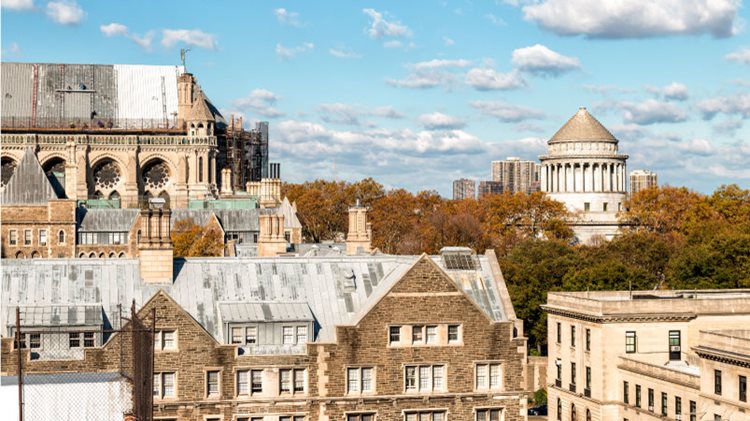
39,230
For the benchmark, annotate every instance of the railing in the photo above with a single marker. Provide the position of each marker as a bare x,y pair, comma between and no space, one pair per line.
108,139
94,123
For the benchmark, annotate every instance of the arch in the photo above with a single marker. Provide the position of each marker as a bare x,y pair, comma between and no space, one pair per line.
115,195
156,175
82,255
92,255
112,255
588,414
20,255
98,195
35,254
573,414
200,169
192,125
200,125
121,255
101,255
106,174
164,195
61,237
8,165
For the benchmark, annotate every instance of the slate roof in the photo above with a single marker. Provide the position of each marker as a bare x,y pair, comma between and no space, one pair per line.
335,288
265,312
28,185
290,214
582,126
62,315
106,220
230,219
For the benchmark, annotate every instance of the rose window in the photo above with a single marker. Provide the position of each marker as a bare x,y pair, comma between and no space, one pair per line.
8,168
156,176
107,175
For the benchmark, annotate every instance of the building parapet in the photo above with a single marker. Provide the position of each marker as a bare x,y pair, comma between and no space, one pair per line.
688,376
731,346
12,139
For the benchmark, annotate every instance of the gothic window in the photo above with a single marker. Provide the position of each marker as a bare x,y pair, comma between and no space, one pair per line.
61,237
106,175
155,175
8,168
200,169
55,171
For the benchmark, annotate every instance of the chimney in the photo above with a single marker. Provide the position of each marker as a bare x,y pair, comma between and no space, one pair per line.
253,188
155,243
185,91
271,241
226,181
360,232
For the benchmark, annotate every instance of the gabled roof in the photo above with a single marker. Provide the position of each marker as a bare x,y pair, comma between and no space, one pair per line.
28,185
106,220
267,311
290,214
582,126
199,111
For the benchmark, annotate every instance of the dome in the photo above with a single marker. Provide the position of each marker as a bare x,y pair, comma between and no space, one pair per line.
582,126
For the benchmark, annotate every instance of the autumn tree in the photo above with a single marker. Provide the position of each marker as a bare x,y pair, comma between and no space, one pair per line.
192,240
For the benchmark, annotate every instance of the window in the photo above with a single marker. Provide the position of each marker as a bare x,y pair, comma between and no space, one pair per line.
743,389
678,407
586,206
587,392
292,380
432,336
488,376
572,377
256,381
424,378
588,414
717,382
604,206
626,393
573,412
212,383
12,239
292,418
558,380
236,335
417,334
453,334
559,333
394,334
369,416
488,414
249,381
251,335
74,340
663,404
675,348
35,340
630,342
42,237
559,409
288,335
88,339
165,339
164,385
242,388
717,417
424,415
651,400
693,411
61,237
27,237
637,396
588,339
572,335
301,334
359,379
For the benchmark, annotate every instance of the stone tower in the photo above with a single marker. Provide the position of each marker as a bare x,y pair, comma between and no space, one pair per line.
271,241
155,243
360,231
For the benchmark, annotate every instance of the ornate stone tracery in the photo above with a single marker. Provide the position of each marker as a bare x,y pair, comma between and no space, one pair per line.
155,175
8,168
106,175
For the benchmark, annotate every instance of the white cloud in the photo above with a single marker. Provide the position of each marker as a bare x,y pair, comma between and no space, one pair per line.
740,56
440,121
381,27
487,79
652,111
13,50
144,40
448,42
440,63
289,52
113,29
540,60
65,12
343,52
738,104
118,29
339,113
422,80
387,112
696,147
506,112
192,37
287,18
728,127
494,19
260,101
17,4
636,18
674,91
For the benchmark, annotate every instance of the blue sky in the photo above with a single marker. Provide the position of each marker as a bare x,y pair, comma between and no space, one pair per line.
418,93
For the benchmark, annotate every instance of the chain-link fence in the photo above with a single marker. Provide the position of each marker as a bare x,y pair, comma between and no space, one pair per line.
80,370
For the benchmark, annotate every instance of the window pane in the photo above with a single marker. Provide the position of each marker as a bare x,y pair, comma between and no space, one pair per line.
242,382
157,385
168,384
495,415
411,378
169,342
74,340
481,376
424,378
411,417
288,333
367,379
88,339
437,377
286,380
437,416
494,376
251,335
417,333
432,334
236,335
394,334
299,380
212,380
257,381
452,333
301,334
353,380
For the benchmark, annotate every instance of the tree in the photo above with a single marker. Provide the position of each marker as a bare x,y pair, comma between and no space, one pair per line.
192,240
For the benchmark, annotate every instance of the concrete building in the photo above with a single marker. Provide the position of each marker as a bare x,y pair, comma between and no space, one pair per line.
124,133
649,355
642,180
515,175
337,337
584,169
489,187
463,188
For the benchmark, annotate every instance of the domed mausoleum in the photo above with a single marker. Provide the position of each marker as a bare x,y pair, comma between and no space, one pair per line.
584,170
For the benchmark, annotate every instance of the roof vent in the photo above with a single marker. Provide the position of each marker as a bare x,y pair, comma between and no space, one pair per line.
459,258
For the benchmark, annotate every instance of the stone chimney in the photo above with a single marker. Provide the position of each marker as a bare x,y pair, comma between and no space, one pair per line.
271,241
253,188
185,96
226,181
270,193
155,243
360,231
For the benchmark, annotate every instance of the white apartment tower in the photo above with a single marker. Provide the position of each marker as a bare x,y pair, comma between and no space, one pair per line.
515,175
642,180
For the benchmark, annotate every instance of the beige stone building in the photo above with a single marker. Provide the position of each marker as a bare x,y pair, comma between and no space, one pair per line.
515,175
648,355
641,180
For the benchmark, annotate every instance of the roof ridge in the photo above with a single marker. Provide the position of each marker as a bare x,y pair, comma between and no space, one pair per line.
582,126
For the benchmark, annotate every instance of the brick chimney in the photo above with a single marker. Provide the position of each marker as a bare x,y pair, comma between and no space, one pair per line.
360,231
271,241
155,243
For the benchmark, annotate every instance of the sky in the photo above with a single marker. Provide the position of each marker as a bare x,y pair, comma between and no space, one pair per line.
418,93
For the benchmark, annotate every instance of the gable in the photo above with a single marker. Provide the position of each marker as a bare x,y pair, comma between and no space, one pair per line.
28,185
424,277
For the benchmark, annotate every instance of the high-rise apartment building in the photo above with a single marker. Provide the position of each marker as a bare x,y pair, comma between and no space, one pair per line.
489,187
516,175
463,188
642,180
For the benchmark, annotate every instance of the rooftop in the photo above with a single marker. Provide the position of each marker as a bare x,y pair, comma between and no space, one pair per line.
582,126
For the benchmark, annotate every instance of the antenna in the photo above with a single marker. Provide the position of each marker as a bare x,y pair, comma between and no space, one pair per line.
183,51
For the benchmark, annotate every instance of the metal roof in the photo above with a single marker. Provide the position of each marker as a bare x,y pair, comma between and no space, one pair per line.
265,312
230,219
290,214
62,315
106,220
28,185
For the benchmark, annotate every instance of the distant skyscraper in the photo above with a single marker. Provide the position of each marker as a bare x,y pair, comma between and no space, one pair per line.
489,187
516,176
642,180
464,188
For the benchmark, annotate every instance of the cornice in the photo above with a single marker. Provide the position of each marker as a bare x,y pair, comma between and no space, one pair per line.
620,318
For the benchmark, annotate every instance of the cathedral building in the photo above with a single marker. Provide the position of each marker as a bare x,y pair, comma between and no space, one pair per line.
584,169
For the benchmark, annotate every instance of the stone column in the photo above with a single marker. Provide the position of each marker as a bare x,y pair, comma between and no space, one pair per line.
543,176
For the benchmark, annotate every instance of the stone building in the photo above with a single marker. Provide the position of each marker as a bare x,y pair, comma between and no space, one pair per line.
642,180
515,175
464,188
648,355
584,169
125,133
354,338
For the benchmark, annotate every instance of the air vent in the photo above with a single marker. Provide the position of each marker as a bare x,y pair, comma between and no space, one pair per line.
459,258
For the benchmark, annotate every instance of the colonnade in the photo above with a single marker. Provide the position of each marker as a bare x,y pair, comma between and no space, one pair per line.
574,177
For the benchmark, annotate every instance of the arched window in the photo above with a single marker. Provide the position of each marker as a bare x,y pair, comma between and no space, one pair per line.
588,414
573,415
138,236
101,255
122,255
61,237
112,255
82,255
98,195
114,196
164,195
35,254
92,255
20,255
55,171
200,169
559,409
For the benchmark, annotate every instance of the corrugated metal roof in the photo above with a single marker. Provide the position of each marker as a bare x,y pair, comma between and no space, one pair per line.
28,185
265,312
62,315
148,92
230,219
106,220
